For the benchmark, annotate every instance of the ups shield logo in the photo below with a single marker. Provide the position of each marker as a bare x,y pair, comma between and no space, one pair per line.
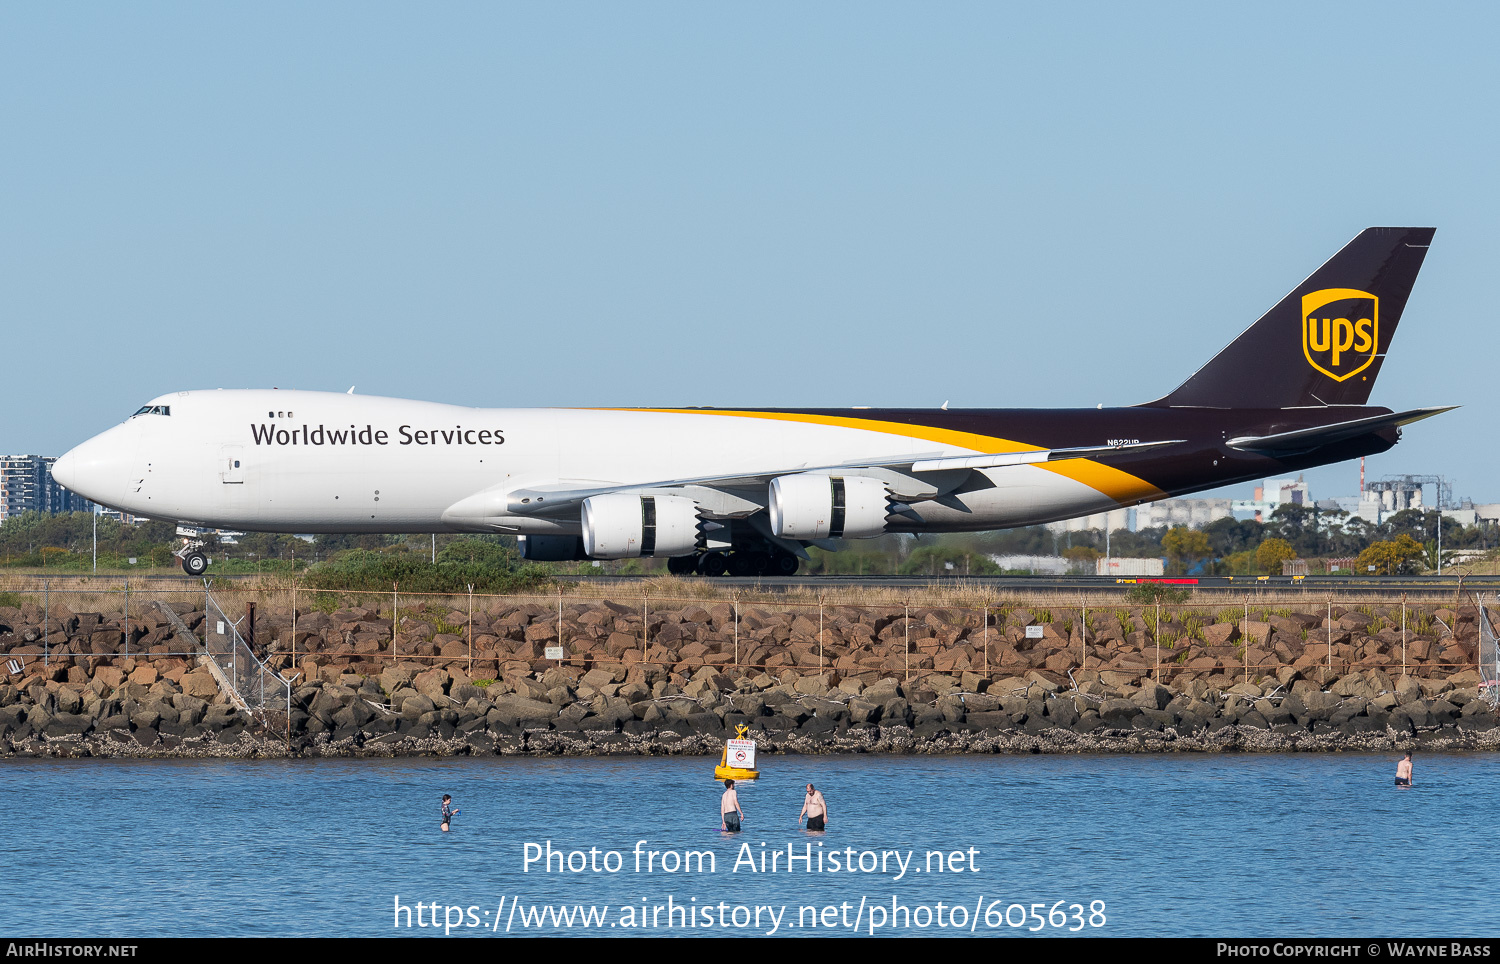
1340,331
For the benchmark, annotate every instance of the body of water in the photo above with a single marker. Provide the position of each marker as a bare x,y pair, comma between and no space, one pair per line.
986,845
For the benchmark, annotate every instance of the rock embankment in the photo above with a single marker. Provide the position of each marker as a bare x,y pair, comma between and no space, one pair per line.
873,680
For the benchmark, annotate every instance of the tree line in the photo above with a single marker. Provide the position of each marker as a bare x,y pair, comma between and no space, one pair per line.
1406,542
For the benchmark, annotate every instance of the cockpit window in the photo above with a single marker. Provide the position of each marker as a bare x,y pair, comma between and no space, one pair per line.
153,410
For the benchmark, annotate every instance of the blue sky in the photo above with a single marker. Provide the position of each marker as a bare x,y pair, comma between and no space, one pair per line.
668,204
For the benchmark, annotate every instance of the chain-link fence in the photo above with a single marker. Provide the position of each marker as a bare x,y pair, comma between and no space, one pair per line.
1489,653
260,691
326,633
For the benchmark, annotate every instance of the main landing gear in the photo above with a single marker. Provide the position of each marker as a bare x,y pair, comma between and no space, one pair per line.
742,561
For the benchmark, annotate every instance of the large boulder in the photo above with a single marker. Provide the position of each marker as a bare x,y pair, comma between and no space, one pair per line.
1152,695
519,709
1118,713
433,684
200,684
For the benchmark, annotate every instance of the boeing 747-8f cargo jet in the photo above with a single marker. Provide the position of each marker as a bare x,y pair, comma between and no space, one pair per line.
745,491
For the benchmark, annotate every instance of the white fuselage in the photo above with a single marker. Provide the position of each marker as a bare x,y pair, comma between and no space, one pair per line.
296,461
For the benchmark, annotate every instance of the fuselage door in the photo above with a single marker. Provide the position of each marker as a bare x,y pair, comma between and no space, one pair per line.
232,466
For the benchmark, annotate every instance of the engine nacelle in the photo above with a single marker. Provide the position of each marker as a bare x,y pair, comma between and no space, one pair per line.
828,507
620,525
551,548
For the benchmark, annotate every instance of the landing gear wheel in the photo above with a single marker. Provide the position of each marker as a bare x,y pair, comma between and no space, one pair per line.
785,564
740,564
760,563
715,564
195,564
682,565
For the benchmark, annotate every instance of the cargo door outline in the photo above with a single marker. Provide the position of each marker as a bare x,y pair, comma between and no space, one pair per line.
232,464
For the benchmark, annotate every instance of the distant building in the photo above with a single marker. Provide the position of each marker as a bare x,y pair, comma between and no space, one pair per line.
1111,520
1278,491
1352,506
1039,565
26,485
1489,512
1383,499
1193,513
1378,502
1269,496
122,517
1463,516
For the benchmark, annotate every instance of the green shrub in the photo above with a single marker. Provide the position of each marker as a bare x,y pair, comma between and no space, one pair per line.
1149,593
487,566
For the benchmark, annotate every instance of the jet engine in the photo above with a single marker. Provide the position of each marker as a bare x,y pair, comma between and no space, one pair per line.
551,548
828,507
621,525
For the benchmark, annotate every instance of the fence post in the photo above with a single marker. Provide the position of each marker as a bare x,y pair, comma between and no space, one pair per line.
1403,632
471,630
394,620
736,610
1083,614
907,625
125,616
294,642
1246,637
984,616
820,635
46,618
1157,634
1330,634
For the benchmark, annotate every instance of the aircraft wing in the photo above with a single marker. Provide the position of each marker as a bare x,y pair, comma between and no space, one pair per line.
1029,458
717,493
1306,439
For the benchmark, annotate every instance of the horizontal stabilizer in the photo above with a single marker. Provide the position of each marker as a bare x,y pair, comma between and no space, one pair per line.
1307,439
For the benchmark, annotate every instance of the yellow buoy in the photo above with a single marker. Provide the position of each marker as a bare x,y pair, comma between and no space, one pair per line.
740,766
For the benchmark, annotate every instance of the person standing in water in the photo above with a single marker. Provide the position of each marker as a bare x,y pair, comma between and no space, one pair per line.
815,808
1403,771
729,809
448,812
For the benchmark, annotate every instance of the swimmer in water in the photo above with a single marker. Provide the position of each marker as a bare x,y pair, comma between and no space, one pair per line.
1403,771
815,808
729,809
448,812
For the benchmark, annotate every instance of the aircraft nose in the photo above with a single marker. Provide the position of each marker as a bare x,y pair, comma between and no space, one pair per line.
88,469
65,470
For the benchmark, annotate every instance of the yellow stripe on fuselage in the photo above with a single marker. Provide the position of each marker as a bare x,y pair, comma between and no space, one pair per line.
1107,480
1115,483
967,440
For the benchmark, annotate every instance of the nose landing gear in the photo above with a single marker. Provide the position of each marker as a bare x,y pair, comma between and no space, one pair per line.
194,562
